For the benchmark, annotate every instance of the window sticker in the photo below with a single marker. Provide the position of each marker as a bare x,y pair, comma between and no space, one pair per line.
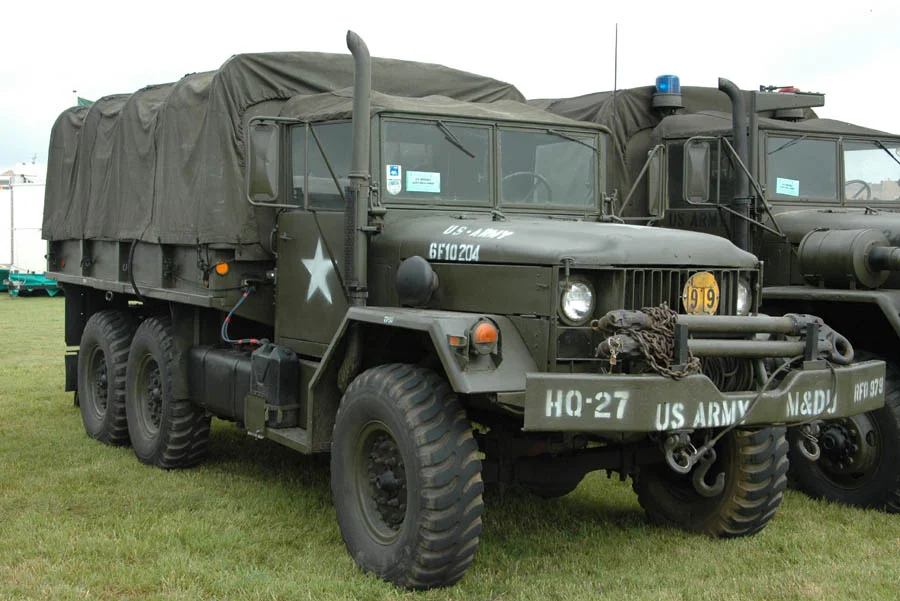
423,181
394,178
787,187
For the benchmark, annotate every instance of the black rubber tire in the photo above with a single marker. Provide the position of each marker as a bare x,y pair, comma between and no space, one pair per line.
875,481
417,527
755,464
102,360
165,432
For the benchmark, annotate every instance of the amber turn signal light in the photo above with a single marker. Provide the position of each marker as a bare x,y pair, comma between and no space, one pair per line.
484,333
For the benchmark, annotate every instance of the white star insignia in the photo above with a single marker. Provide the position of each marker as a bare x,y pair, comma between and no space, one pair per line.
318,267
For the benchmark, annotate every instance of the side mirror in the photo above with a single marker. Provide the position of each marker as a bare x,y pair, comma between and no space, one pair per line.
696,171
262,162
656,180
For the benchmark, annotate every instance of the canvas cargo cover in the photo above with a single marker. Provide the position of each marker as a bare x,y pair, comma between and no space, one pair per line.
630,115
637,127
165,164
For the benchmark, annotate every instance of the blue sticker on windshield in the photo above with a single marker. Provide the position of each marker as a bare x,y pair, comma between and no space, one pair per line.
787,187
392,181
423,181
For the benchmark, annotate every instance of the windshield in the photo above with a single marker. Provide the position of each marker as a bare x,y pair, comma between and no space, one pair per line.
547,168
871,171
800,167
454,163
438,161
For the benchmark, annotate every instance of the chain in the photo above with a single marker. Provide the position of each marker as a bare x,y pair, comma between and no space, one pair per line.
657,343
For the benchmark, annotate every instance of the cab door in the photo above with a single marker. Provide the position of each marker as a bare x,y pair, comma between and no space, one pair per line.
310,295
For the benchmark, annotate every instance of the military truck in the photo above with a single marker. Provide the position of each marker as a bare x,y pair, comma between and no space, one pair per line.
815,199
404,265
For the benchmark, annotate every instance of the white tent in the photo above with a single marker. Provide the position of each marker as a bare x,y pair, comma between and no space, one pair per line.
21,214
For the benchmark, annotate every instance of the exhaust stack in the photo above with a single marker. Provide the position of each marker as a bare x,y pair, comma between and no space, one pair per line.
357,210
741,201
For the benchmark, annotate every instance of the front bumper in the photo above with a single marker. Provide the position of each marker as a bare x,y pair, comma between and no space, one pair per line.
652,403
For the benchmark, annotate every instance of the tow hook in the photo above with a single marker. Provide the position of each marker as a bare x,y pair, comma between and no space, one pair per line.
678,453
699,476
808,441
682,457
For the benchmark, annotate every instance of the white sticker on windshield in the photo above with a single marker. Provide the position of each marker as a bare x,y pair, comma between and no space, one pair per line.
787,187
423,181
394,178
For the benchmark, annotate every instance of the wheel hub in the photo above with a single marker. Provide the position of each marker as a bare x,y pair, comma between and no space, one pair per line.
101,385
850,450
154,398
387,478
150,391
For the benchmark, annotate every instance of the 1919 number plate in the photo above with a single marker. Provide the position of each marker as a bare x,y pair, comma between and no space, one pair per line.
701,294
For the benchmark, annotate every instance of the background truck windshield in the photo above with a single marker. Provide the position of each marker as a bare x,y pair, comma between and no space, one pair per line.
801,168
871,171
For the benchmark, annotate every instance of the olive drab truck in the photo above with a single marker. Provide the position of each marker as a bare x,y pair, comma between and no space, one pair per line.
404,266
816,199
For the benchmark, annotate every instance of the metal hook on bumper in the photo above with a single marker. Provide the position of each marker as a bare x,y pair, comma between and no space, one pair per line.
678,453
699,476
808,441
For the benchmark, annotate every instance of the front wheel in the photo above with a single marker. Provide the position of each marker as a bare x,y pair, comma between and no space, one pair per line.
406,477
860,455
755,465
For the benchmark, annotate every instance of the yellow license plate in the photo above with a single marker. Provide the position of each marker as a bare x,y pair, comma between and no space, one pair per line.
701,294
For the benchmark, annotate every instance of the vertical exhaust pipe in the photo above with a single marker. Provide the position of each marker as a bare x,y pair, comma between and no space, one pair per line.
357,210
356,213
741,201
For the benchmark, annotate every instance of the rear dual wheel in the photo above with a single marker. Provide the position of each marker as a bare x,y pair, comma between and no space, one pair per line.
165,431
102,362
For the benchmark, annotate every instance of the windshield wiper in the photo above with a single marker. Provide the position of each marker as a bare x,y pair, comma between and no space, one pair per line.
790,142
453,139
889,153
566,136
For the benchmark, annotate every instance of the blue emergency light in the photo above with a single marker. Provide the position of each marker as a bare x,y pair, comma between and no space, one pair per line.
668,84
667,95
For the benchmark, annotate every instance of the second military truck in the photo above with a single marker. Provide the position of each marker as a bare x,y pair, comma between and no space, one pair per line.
404,265
816,199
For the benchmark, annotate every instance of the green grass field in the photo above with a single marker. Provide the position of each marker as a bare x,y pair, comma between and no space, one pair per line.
80,520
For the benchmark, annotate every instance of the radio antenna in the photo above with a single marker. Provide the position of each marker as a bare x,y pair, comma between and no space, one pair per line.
616,61
615,78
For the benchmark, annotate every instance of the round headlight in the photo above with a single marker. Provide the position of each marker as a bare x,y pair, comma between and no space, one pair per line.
577,302
744,297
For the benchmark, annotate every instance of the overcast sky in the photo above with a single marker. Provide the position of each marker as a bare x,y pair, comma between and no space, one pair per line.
848,50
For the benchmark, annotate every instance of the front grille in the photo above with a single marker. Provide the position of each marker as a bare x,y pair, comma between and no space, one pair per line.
636,288
650,287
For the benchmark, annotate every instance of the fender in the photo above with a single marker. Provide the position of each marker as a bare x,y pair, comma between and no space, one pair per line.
506,377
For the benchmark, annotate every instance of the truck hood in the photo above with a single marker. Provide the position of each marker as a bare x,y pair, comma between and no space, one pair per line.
797,223
531,241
